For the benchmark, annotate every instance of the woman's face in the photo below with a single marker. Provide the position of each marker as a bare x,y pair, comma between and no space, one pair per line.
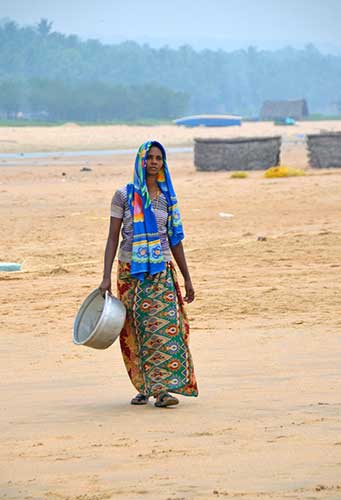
154,161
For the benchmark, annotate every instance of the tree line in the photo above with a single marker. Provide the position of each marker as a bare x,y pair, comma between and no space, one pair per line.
42,70
94,101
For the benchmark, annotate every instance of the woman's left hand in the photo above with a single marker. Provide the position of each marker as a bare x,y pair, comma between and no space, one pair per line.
189,297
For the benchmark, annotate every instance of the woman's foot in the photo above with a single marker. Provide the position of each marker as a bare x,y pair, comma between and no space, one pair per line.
165,399
139,399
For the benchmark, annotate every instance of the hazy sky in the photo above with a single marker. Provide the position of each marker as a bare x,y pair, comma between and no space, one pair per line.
228,24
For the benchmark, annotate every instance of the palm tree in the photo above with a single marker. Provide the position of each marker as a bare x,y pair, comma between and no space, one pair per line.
44,27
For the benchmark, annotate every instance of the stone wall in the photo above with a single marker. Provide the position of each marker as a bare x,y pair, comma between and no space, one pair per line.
242,153
324,150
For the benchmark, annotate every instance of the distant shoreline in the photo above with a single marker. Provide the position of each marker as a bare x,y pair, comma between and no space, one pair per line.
61,154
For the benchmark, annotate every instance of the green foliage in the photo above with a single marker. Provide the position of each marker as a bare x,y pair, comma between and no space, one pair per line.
98,101
11,97
28,123
42,123
129,81
316,117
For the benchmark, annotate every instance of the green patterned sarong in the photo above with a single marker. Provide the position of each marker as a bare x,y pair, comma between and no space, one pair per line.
154,340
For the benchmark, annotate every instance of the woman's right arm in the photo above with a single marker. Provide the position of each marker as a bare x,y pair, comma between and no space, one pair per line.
110,253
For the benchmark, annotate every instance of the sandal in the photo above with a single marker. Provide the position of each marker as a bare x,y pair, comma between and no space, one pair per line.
165,399
139,399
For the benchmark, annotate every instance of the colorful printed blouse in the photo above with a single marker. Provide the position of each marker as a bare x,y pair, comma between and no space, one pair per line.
121,210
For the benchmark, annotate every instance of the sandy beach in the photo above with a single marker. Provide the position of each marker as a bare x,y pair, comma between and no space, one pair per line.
265,328
73,137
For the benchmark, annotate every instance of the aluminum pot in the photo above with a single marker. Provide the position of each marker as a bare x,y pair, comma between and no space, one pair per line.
99,321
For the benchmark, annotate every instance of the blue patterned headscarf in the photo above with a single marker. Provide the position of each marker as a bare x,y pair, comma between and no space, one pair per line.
146,251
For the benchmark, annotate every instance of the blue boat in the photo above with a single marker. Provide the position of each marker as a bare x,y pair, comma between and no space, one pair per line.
285,120
209,120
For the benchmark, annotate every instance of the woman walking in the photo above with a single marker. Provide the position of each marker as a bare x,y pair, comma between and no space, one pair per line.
154,340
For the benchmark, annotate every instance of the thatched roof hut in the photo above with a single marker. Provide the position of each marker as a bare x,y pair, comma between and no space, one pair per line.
275,110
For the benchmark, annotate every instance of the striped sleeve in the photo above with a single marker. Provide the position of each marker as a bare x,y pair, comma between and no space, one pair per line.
117,205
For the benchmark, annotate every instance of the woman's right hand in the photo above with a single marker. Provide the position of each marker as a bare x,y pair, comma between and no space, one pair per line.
105,285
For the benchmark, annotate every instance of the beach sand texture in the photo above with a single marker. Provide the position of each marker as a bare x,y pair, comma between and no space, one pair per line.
265,332
71,136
